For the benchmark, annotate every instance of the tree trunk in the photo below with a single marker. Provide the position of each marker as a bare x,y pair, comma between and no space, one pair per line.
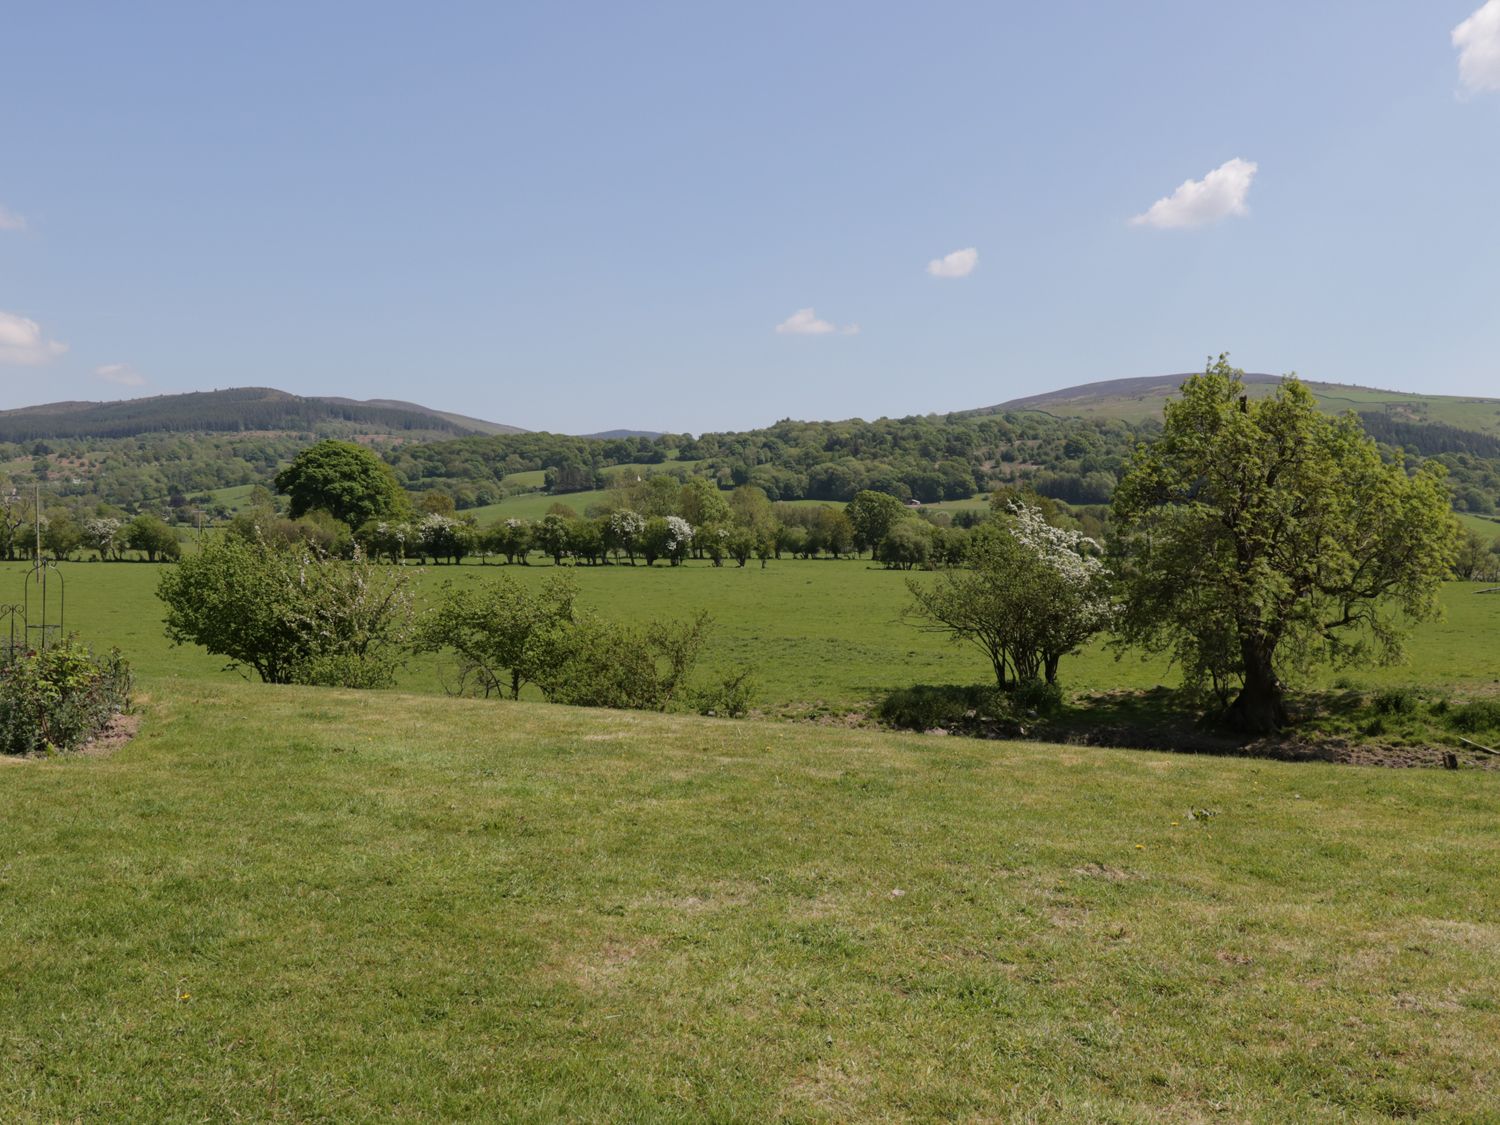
1260,707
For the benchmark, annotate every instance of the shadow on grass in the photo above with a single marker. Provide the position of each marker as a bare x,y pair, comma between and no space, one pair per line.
1397,727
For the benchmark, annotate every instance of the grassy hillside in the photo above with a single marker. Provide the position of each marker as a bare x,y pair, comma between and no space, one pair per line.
230,411
304,904
1136,400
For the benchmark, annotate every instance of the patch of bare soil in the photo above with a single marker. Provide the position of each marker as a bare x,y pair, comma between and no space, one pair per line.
121,729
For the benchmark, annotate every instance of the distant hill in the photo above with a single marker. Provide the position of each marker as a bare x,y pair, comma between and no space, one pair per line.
606,435
1136,400
236,410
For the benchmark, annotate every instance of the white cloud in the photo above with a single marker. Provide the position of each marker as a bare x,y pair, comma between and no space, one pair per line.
121,373
960,263
805,322
1216,196
1478,43
9,220
22,342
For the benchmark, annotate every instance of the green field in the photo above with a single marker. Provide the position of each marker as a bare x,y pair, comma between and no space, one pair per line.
821,635
533,505
302,904
1483,526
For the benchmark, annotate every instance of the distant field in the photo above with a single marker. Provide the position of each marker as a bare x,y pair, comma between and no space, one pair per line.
534,505
1487,528
235,498
308,905
821,635
533,478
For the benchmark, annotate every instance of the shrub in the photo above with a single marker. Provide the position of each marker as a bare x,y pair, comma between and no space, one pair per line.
291,612
60,698
1036,696
1395,701
1471,718
500,631
504,637
926,706
730,697
600,663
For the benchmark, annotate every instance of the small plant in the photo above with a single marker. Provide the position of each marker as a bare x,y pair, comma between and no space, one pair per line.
1036,697
926,706
60,698
1395,701
730,697
1472,718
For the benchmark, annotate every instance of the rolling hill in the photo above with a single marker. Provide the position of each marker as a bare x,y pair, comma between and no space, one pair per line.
235,410
1138,399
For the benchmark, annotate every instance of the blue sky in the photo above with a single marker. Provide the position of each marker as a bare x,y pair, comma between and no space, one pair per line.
582,216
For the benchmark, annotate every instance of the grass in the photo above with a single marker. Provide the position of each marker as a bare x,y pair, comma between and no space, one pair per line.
294,904
823,636
1486,527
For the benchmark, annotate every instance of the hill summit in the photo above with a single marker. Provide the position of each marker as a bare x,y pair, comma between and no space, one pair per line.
235,410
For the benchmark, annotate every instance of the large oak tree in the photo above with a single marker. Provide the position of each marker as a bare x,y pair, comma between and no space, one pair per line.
344,479
1258,536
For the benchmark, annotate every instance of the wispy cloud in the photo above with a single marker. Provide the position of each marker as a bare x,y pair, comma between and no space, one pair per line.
960,263
805,322
1478,43
121,373
23,344
9,220
1196,203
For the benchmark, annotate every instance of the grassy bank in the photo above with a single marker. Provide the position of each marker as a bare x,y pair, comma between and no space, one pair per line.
285,903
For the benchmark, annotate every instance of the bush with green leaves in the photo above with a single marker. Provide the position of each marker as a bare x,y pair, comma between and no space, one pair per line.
599,663
1030,594
290,611
926,706
1476,717
59,698
505,636
500,632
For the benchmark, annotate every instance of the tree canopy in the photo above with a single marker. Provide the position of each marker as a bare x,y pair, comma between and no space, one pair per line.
345,480
1258,536
1030,594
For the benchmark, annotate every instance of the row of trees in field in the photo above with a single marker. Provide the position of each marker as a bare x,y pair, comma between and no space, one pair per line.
65,533
1254,538
295,614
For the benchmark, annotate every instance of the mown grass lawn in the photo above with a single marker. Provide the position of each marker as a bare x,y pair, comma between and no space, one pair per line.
284,903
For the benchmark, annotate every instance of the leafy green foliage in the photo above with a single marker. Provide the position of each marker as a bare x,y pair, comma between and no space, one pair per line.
503,634
1258,536
343,479
506,636
600,663
1029,595
1473,718
294,614
151,536
59,698
945,706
